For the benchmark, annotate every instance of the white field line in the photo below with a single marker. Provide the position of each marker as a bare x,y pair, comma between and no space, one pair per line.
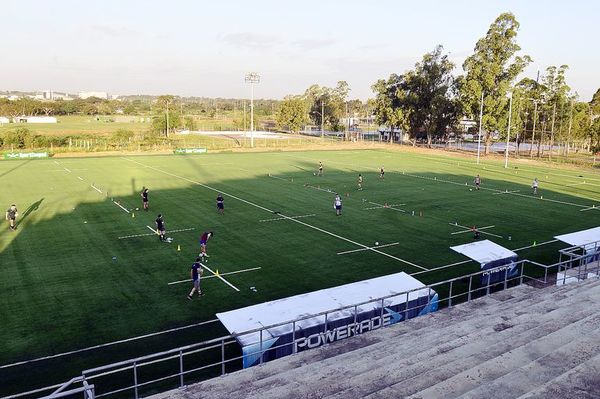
506,192
285,218
327,190
589,208
151,229
96,188
574,184
121,206
270,211
443,267
80,178
366,249
536,245
388,207
56,162
154,233
470,230
89,348
482,232
220,274
67,169
221,278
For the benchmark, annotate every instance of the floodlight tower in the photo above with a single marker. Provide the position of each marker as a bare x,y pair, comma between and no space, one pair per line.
252,78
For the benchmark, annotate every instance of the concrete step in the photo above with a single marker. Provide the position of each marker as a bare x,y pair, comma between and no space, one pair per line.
347,370
426,368
581,382
545,368
485,372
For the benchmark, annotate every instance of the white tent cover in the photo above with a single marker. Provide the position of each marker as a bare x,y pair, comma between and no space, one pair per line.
484,251
581,238
295,307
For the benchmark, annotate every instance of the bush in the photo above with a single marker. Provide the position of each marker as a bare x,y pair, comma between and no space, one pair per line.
19,138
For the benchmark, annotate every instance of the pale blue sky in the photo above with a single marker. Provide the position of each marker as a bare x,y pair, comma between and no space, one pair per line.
204,48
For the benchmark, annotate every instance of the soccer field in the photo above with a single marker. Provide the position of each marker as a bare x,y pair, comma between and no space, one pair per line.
84,268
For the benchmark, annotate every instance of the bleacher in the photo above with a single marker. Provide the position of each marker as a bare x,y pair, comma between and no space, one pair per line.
523,342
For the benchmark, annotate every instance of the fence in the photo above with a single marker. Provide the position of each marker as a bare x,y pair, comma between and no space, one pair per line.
176,367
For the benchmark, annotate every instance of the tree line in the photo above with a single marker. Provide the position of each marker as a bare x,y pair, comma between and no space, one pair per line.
428,101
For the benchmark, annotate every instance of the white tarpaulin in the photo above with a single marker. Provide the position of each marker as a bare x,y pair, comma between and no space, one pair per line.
484,251
581,238
295,307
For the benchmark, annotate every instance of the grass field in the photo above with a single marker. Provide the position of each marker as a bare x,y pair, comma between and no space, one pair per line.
69,279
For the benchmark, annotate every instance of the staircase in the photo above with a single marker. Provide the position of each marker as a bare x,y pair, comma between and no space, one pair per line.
519,343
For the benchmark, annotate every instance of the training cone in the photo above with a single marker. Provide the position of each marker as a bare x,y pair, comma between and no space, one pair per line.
217,272
179,247
132,214
534,243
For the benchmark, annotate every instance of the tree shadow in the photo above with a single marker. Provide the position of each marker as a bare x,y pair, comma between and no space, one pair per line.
32,208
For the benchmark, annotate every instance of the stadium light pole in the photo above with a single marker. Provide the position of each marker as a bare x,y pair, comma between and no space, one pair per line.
480,120
252,78
510,96
322,117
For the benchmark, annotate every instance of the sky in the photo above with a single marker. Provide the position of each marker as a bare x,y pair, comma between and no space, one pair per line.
204,48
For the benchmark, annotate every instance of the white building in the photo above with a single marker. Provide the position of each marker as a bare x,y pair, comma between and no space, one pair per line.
4,120
98,94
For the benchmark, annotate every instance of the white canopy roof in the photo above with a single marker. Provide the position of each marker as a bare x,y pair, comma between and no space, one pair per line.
581,238
484,251
295,307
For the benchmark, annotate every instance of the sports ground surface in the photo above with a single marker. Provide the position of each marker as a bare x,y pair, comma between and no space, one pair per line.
84,267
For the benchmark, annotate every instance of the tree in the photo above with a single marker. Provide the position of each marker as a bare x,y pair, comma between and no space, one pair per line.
595,104
422,100
164,102
332,101
491,70
292,113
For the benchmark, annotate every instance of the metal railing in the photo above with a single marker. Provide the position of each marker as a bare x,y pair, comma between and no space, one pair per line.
216,357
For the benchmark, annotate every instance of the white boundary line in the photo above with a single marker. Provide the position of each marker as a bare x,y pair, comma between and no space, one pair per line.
281,178
154,233
443,267
536,245
67,169
270,211
574,184
89,348
120,206
506,192
366,249
328,190
96,188
220,274
221,278
589,208
151,229
285,218
80,178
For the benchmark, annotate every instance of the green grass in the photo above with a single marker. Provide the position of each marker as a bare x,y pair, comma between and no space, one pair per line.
80,125
61,289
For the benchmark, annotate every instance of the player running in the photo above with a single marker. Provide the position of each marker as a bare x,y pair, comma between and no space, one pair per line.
203,241
144,196
320,173
337,205
11,216
160,227
360,182
477,182
195,273
220,205
535,185
381,173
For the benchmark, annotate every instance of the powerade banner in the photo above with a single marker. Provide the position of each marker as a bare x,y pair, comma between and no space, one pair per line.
337,329
510,270
183,151
23,155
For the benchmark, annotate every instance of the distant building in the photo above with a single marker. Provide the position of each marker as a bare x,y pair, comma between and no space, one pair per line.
4,120
98,94
35,119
